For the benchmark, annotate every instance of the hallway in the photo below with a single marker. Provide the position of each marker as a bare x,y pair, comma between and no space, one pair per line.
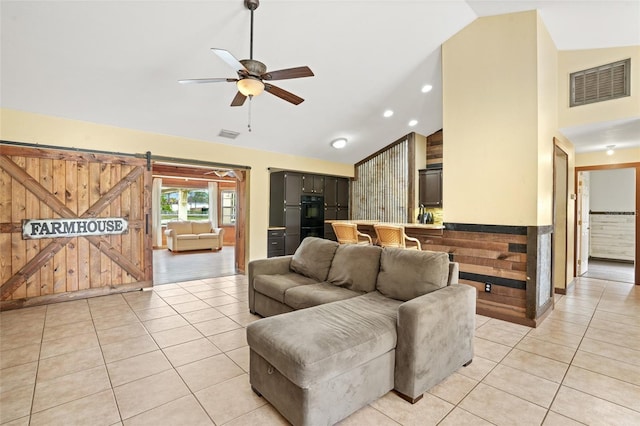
169,267
610,270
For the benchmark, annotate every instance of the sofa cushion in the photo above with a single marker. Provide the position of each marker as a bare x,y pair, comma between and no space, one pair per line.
275,286
180,227
315,344
305,296
186,237
313,258
207,236
200,227
355,267
406,274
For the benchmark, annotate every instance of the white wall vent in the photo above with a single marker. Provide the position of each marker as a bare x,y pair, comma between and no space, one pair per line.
228,134
601,83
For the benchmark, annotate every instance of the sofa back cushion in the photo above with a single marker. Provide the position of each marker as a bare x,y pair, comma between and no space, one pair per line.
201,227
313,258
407,274
180,227
355,267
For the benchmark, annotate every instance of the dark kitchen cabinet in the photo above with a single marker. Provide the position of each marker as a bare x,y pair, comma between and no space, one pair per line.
292,188
275,242
430,187
342,213
336,213
336,191
285,190
284,207
342,192
313,184
292,229
330,191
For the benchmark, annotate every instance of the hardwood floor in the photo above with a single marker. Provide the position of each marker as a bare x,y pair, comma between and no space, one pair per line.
169,267
609,270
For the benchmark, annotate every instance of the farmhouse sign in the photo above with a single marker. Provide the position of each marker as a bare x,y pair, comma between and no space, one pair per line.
57,228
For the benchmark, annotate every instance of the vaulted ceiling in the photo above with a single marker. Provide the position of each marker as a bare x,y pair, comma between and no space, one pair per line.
118,63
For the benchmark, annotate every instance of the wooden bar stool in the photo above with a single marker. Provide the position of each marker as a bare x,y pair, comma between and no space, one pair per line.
394,236
347,233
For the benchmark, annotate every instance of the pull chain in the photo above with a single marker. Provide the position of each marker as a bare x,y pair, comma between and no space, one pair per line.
249,124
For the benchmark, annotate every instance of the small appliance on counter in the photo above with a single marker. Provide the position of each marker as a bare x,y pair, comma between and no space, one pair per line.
424,216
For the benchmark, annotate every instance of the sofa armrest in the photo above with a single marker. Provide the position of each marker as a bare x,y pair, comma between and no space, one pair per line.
435,338
454,273
270,266
169,233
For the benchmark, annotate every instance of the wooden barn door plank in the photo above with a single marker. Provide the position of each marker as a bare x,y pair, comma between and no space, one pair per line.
23,269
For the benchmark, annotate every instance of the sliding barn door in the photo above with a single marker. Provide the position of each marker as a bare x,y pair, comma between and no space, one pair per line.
72,225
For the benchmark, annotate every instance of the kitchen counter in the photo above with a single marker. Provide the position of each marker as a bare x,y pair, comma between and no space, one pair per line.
406,225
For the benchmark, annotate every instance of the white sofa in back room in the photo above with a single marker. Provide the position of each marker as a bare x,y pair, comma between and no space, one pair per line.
193,235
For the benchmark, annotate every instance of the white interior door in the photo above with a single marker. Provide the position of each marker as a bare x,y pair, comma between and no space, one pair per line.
583,223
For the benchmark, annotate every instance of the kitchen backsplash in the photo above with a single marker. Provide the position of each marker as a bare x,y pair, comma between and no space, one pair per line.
436,212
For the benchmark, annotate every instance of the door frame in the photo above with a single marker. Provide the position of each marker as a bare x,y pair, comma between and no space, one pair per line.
559,152
580,223
242,174
635,166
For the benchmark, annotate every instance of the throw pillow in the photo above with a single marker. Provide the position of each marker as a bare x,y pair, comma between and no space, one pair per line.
407,274
355,267
201,227
313,258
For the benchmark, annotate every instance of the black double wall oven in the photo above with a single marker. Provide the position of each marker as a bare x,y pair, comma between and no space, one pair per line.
311,216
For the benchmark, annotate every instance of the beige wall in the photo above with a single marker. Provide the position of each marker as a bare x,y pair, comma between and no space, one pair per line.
576,60
547,83
629,155
490,118
33,128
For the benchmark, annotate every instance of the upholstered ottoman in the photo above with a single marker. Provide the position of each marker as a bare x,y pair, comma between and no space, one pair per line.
318,365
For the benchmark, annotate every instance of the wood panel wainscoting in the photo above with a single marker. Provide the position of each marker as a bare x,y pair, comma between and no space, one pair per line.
43,183
514,260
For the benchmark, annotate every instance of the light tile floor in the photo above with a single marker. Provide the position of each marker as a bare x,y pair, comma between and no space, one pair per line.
177,355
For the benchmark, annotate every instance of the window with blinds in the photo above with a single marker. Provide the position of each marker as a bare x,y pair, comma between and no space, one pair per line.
601,83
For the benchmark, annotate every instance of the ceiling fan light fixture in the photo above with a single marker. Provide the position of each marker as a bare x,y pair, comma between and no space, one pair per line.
250,86
610,150
339,143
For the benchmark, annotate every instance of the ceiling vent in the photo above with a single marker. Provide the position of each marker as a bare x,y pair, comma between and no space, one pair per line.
230,134
601,83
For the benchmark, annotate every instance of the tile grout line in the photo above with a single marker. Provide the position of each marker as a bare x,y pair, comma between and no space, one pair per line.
564,376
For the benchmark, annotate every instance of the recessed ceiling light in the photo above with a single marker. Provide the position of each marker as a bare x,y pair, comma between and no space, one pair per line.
388,113
413,123
426,88
339,143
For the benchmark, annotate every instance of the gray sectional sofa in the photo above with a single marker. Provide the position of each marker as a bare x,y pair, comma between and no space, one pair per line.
357,322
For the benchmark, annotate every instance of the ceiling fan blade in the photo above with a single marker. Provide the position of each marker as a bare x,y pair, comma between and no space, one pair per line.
206,80
229,59
297,72
283,94
238,100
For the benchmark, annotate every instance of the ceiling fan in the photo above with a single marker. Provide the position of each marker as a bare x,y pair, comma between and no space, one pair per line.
253,77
